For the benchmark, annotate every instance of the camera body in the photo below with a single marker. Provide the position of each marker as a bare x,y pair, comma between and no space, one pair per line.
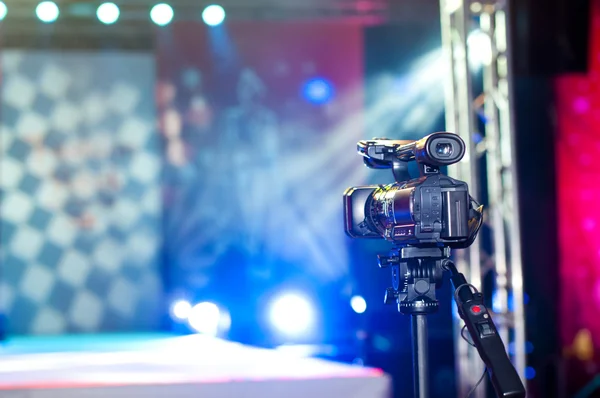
431,210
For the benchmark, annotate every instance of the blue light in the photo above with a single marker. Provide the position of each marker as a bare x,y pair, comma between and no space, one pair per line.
511,348
292,314
213,15
525,298
529,373
528,347
496,305
358,304
477,138
318,91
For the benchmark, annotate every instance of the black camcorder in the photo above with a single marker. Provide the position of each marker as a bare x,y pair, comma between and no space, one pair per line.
431,210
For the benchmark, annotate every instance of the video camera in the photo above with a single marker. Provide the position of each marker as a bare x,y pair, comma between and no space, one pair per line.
425,218
431,210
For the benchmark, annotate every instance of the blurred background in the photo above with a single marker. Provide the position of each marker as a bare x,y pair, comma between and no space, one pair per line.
179,168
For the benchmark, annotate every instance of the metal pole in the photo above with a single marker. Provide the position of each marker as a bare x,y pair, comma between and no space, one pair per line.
495,168
512,192
420,355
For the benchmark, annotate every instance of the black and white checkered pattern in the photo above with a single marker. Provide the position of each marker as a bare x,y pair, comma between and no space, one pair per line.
80,193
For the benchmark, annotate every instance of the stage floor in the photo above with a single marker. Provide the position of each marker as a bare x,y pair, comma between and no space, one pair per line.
168,366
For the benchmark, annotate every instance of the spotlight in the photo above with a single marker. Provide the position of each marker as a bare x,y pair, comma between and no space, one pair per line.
181,309
358,304
205,318
3,10
161,14
529,373
318,91
213,15
47,11
528,347
292,314
479,46
108,13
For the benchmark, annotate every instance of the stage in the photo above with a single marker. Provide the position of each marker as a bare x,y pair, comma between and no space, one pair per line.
173,366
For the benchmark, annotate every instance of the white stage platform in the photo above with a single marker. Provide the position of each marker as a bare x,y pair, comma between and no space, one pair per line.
188,366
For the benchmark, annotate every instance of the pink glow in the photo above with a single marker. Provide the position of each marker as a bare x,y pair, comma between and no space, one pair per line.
581,105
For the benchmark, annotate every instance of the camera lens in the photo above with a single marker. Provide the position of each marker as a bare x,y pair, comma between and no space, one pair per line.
444,149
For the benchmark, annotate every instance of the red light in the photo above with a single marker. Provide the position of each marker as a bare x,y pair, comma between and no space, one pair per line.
476,309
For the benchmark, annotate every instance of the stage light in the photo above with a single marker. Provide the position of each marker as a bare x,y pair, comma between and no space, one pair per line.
213,15
318,91
47,11
528,347
181,309
205,318
529,373
108,13
3,10
476,7
161,14
292,314
358,304
480,48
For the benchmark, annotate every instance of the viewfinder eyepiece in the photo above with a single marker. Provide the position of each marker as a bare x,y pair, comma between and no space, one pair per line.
439,149
444,149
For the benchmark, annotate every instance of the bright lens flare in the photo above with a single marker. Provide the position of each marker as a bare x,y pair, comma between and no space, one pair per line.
480,48
358,304
213,15
108,13
181,309
3,10
162,14
292,314
205,318
47,11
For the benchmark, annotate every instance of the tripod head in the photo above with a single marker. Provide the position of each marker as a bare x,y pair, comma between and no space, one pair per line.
416,274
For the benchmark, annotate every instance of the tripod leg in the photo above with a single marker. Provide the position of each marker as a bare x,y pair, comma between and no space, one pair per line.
420,355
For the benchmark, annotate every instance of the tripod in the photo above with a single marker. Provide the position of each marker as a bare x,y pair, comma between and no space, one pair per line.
416,274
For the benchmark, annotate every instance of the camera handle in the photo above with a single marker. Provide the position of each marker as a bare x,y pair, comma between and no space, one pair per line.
416,274
400,170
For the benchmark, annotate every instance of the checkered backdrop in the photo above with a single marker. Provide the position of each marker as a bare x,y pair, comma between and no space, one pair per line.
80,199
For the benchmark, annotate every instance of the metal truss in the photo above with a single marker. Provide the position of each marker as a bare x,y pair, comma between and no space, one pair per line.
465,112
